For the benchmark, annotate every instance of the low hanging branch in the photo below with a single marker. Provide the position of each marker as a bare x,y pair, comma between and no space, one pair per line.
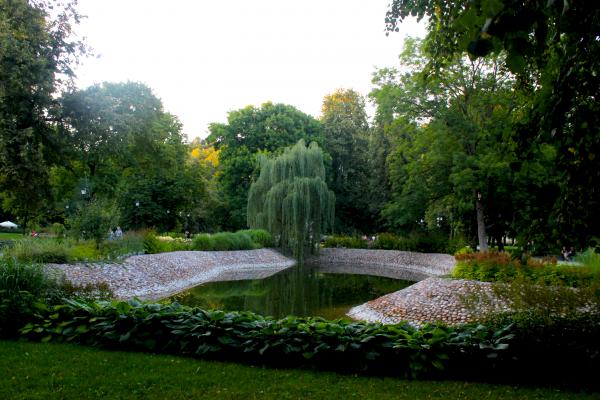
291,200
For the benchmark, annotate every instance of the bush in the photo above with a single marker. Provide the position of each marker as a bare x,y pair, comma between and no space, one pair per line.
231,241
555,348
424,242
349,346
348,242
152,245
224,241
38,250
589,258
259,236
519,347
501,267
94,220
21,285
84,251
202,242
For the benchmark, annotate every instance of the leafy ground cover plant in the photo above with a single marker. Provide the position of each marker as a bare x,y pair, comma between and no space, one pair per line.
490,351
350,346
25,286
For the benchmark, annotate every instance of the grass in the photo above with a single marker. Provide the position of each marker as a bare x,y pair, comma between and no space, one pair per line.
589,258
50,371
10,236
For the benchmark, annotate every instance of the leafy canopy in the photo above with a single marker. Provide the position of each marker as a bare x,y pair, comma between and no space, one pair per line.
290,199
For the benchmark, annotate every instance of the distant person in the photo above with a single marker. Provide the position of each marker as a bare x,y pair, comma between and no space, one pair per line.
111,234
567,253
119,233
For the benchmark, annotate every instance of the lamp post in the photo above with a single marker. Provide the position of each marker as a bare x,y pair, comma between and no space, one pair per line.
137,209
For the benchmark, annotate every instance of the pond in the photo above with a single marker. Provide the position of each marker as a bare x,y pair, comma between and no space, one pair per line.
300,291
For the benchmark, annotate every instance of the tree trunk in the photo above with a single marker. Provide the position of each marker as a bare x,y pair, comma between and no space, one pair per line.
481,234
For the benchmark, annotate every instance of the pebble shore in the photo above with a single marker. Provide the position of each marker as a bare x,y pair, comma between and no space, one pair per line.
404,265
431,299
155,276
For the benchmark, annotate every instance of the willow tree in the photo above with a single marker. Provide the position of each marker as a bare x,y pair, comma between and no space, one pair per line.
291,200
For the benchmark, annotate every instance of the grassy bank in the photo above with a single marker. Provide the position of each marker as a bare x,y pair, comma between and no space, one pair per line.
49,371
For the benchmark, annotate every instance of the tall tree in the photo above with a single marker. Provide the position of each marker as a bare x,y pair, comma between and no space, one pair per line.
124,146
452,157
36,56
345,138
553,46
248,132
291,200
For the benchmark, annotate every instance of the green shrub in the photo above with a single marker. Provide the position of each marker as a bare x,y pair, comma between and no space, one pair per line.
348,242
21,285
349,346
501,267
84,251
152,245
589,258
202,242
93,220
260,237
58,229
424,242
38,250
223,241
387,241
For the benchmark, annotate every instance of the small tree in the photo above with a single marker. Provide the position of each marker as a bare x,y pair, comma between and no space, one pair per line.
93,220
291,200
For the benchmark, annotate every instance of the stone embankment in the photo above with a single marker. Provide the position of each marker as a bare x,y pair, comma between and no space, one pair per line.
432,300
155,276
388,263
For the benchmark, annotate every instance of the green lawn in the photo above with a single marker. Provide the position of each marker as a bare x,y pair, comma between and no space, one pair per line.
52,371
10,236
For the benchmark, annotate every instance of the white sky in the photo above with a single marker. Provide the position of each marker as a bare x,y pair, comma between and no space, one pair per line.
205,58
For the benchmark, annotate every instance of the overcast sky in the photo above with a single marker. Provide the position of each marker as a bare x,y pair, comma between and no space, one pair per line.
205,58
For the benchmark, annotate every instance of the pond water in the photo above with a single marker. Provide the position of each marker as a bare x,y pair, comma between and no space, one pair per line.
299,291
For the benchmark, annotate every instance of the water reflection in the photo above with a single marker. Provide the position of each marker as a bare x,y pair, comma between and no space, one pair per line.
300,291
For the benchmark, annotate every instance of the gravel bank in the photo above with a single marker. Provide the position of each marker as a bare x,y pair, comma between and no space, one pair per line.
154,276
389,263
431,300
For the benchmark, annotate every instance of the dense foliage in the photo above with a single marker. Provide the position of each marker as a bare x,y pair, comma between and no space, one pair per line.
471,351
424,242
553,48
36,59
25,286
349,346
62,250
223,241
291,200
249,132
345,139
501,267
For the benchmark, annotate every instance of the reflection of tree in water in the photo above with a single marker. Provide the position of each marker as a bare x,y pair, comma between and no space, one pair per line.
300,291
